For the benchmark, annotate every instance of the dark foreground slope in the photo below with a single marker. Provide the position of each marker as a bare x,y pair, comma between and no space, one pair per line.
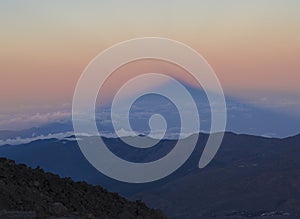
32,193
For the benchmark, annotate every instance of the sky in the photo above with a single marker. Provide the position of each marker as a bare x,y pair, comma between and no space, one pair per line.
253,46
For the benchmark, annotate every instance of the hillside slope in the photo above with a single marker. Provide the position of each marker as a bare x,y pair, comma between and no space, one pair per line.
32,193
250,177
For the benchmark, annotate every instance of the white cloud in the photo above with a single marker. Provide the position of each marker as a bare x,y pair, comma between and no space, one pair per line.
19,121
18,140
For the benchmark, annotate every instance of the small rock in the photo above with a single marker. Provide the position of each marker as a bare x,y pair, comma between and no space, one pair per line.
58,209
36,183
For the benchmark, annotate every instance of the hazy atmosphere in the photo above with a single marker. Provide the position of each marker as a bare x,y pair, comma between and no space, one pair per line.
253,46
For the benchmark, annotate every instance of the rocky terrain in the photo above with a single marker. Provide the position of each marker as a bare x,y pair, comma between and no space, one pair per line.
250,177
33,193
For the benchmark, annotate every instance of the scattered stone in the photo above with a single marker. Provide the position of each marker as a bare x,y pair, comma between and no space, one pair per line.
32,193
58,209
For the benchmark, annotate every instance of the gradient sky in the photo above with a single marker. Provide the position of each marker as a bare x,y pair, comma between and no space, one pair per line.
253,46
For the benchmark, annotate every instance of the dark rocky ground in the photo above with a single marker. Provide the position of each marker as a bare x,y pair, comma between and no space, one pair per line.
32,193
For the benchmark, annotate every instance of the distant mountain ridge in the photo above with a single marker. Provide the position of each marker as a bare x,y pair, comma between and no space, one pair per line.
47,129
247,169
